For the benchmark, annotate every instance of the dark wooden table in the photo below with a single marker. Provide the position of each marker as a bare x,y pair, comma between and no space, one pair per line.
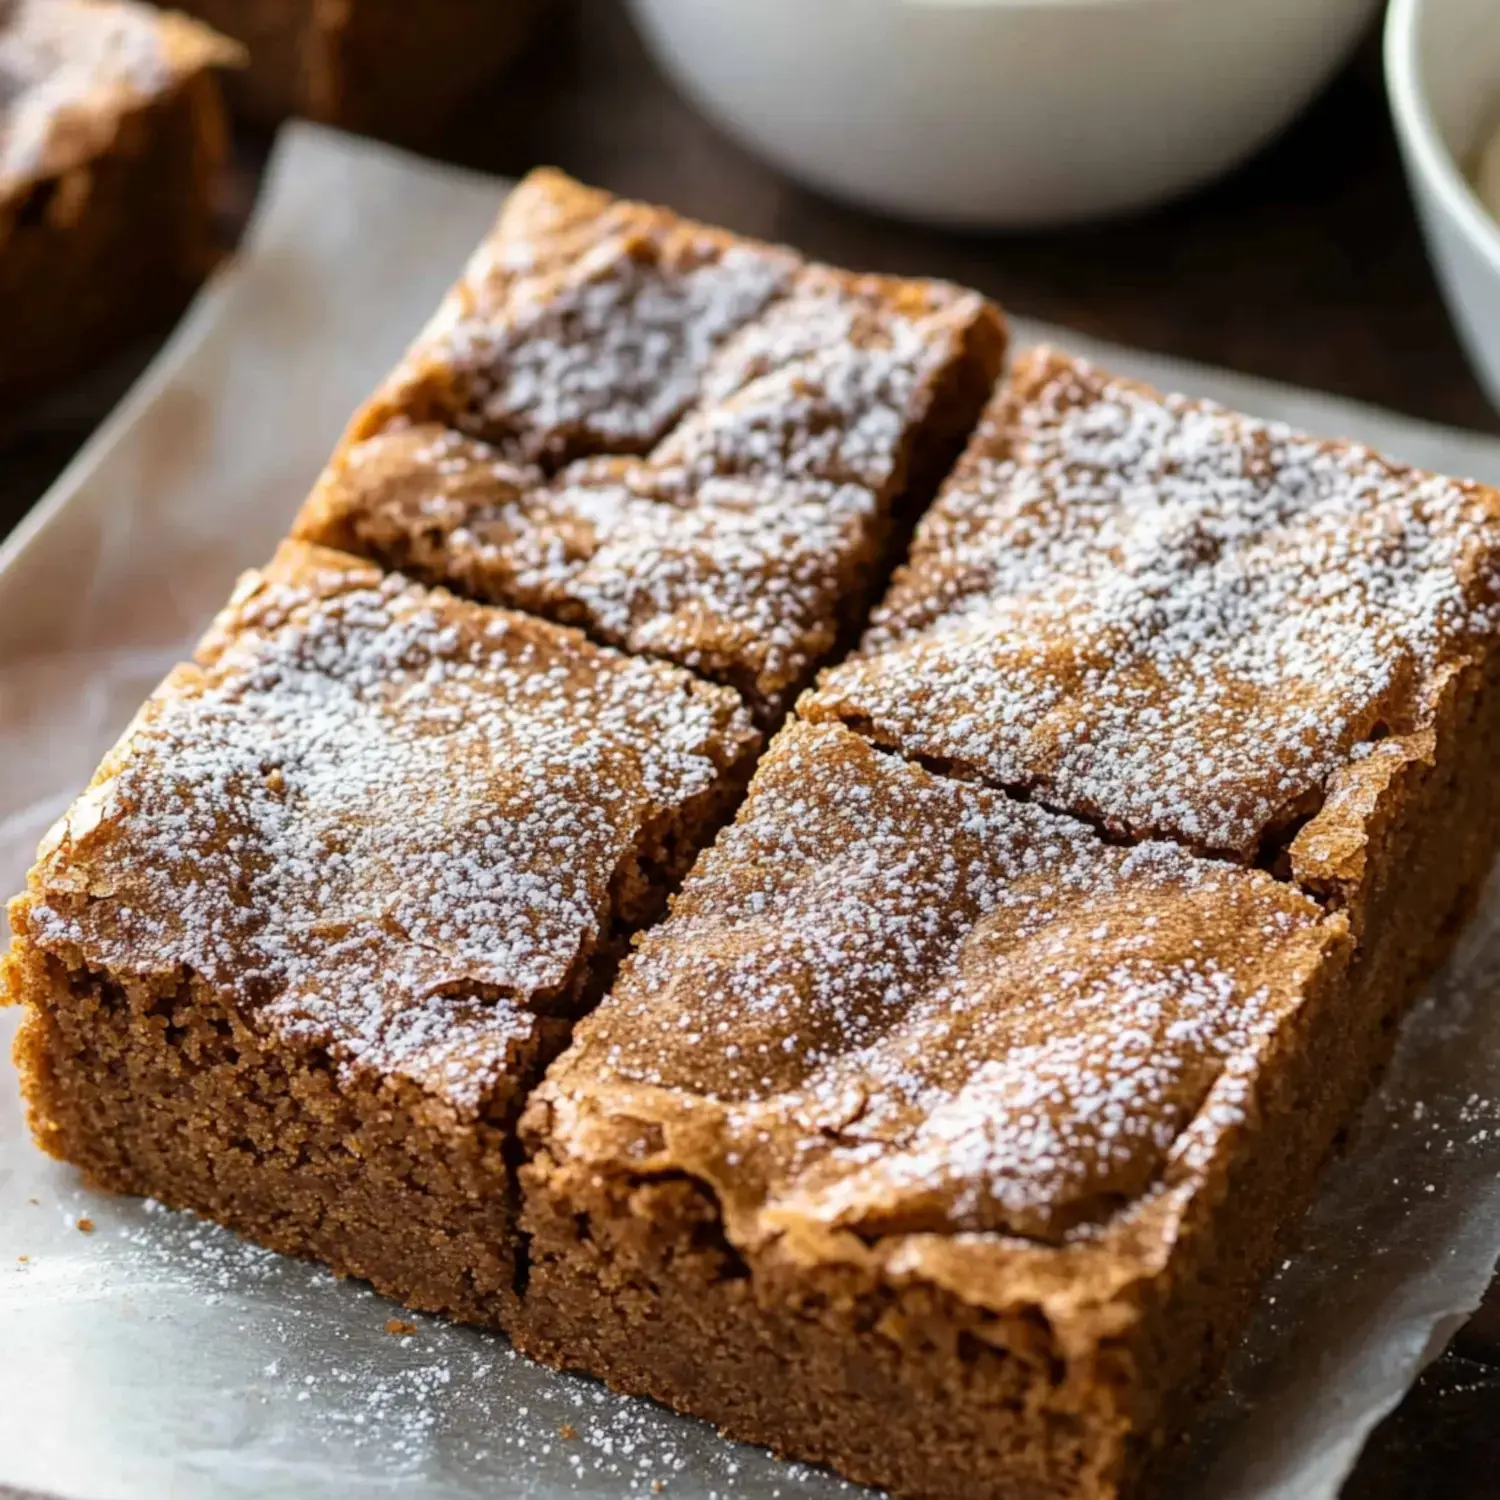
1305,266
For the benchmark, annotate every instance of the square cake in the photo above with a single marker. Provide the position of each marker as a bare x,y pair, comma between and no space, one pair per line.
111,132
932,1136
329,906
689,445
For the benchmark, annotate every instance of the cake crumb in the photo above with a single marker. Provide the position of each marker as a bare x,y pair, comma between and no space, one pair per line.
567,1430
399,1326
85,1226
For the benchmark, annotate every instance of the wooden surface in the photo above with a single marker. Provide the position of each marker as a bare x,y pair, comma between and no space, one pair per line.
1305,266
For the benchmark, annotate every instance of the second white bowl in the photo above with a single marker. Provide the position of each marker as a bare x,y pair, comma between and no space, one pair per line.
1002,113
1442,67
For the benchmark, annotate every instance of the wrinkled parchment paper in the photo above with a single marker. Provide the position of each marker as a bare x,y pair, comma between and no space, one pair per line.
145,1355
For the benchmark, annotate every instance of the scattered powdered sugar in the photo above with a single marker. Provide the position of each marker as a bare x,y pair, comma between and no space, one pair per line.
263,1368
68,69
1170,618
910,1003
387,819
746,582
313,1379
607,354
770,408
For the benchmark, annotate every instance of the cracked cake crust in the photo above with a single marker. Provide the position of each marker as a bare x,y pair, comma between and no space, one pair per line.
1170,618
689,444
945,1130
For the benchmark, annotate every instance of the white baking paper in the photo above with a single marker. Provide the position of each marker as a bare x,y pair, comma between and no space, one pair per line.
145,1355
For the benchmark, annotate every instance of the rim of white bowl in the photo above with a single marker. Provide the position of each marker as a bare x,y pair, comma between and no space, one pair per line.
1428,151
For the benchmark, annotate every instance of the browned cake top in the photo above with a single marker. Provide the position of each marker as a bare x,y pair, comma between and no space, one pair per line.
586,324
684,441
901,1005
383,818
1159,614
70,68
740,577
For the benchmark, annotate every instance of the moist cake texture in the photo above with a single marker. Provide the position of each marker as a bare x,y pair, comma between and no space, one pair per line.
111,130
931,1136
946,1136
691,445
326,909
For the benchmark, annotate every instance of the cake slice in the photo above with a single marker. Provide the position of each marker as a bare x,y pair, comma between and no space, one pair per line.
934,1138
690,445
1174,620
111,133
331,903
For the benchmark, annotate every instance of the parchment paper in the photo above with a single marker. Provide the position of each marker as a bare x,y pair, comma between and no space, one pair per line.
145,1355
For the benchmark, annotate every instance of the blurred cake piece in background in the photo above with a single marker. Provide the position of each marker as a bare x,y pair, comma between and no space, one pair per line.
392,68
1487,178
111,133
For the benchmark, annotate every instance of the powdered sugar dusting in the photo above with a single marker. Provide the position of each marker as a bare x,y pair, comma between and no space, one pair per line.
910,1004
609,359
1159,614
272,1368
738,423
739,578
388,821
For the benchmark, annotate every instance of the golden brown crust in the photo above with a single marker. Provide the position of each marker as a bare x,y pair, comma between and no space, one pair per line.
691,445
934,1135
1169,618
944,1012
320,919
243,829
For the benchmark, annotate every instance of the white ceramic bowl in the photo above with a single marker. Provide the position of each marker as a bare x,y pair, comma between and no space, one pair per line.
1002,113
1442,68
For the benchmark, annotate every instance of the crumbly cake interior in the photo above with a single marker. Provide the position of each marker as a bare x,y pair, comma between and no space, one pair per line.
1177,621
690,445
386,832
